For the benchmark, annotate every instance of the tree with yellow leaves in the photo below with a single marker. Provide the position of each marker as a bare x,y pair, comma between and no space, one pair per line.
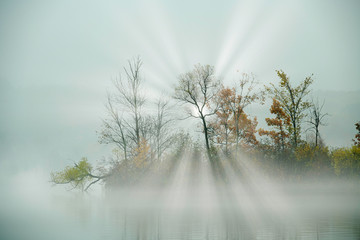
293,102
346,161
142,155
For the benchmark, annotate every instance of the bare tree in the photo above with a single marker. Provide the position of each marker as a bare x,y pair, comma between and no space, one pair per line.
162,132
197,88
124,124
131,98
316,119
114,130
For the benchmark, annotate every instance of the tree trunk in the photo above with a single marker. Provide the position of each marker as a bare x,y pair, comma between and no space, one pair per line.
206,137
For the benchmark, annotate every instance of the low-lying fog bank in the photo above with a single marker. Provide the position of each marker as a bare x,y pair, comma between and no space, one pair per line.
323,209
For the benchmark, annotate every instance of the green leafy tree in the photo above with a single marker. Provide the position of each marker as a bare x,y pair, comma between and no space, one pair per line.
79,176
346,161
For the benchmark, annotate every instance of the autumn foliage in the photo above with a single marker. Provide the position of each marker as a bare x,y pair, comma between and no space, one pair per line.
232,128
144,142
280,127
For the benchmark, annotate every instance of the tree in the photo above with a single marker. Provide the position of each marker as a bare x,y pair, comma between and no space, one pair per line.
162,133
137,137
125,122
313,160
221,132
131,98
245,130
79,176
224,131
114,130
197,88
357,135
232,126
142,155
292,100
280,123
346,161
245,94
316,119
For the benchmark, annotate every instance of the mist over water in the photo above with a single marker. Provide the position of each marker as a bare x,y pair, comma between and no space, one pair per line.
56,64
195,203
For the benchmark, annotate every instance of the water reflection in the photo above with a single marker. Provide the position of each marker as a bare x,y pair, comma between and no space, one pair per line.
189,207
194,226
311,218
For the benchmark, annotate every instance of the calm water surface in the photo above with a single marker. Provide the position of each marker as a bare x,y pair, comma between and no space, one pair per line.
293,212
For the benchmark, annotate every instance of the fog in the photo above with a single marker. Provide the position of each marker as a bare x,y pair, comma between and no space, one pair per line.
194,204
57,63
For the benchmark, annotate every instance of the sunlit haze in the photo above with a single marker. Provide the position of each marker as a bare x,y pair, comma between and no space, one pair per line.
58,64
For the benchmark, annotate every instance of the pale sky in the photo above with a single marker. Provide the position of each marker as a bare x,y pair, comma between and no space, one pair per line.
58,58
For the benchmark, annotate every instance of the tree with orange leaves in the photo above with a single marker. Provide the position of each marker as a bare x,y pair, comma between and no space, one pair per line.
221,133
281,124
232,127
246,131
245,93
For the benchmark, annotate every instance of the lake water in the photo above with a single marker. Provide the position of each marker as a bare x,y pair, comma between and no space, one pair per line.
292,211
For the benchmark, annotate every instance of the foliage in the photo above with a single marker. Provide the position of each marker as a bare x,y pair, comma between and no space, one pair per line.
146,144
220,126
293,102
313,159
142,155
281,125
232,127
78,176
346,161
246,127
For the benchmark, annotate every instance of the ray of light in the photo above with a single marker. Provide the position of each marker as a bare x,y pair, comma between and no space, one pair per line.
239,27
164,37
250,23
144,42
270,35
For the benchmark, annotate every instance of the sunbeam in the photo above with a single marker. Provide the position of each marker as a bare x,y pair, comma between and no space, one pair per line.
183,120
